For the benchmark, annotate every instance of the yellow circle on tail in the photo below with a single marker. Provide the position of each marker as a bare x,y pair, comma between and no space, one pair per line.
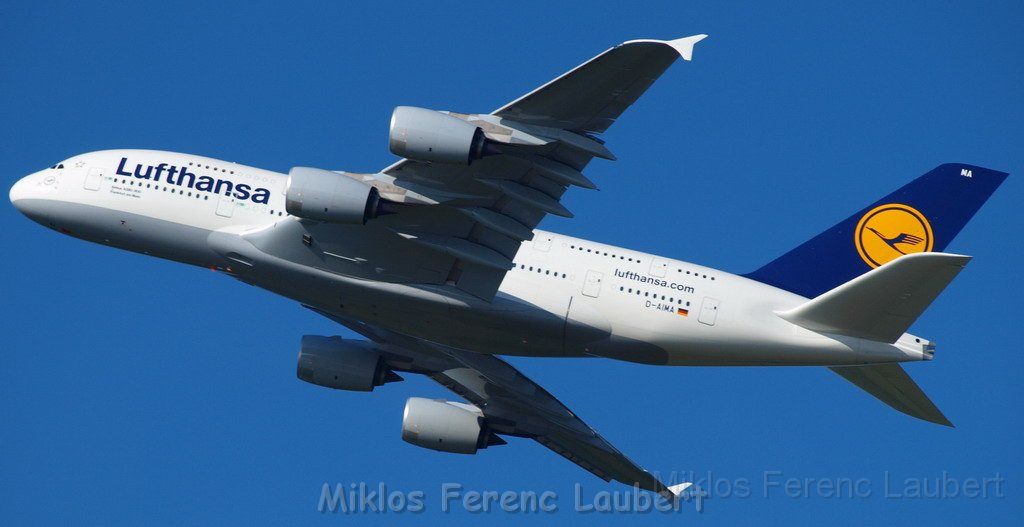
889,231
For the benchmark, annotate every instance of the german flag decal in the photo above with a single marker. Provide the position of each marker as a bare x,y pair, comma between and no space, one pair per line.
683,312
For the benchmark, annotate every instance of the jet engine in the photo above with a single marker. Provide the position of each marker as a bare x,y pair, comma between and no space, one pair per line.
428,135
342,364
446,426
323,195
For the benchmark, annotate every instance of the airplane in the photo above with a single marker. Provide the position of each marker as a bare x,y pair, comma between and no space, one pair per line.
436,260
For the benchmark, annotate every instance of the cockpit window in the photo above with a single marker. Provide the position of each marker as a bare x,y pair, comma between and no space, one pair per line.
57,166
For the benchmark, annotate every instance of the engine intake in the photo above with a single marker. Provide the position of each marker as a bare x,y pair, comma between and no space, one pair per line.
323,195
428,135
446,426
342,364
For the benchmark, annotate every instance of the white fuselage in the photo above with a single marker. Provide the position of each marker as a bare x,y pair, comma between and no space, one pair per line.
565,297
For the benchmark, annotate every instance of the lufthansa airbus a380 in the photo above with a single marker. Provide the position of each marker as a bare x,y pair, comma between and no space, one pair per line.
437,261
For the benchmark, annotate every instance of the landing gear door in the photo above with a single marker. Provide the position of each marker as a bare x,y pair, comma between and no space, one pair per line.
592,285
584,327
708,311
94,178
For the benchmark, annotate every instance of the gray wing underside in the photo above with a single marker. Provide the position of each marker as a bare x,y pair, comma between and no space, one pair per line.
891,385
480,213
512,403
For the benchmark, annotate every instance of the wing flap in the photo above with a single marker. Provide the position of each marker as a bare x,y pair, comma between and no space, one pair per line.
461,248
601,459
500,223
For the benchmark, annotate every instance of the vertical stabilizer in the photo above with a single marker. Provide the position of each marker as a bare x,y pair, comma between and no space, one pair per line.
922,216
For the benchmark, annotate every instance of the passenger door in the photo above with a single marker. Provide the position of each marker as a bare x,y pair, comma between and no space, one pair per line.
226,206
708,311
592,285
94,178
658,267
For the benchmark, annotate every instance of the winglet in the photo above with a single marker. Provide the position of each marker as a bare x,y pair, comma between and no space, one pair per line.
674,492
678,489
683,46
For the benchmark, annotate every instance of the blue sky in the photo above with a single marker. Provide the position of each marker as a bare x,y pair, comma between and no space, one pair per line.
134,390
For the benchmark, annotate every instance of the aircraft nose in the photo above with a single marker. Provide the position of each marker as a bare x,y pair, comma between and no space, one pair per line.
19,191
27,196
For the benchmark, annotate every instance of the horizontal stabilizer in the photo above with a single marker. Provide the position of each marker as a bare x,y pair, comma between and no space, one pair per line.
881,304
891,385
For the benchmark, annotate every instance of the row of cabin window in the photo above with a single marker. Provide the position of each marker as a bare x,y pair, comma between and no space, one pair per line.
655,296
620,257
547,272
173,191
197,165
158,187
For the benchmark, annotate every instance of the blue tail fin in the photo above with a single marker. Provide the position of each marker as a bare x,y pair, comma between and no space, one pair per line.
922,216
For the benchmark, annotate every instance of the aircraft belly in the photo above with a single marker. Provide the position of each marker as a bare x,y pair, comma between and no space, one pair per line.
507,326
439,314
128,231
763,347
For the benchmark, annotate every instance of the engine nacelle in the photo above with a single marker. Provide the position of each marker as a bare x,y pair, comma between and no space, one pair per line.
446,426
323,195
428,135
342,364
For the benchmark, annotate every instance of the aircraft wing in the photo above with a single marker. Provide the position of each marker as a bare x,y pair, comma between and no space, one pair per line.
480,213
591,96
512,403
